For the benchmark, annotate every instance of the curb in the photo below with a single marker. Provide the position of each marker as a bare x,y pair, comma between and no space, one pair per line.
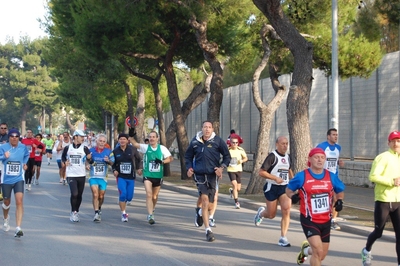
346,226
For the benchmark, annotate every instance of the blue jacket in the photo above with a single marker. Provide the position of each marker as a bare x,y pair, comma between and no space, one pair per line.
203,157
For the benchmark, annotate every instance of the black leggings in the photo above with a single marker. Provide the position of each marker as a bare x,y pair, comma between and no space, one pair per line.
76,185
382,211
29,171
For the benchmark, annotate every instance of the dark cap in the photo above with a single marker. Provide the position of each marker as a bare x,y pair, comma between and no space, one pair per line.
13,131
123,135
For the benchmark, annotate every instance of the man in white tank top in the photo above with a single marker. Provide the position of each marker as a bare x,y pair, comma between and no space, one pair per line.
276,169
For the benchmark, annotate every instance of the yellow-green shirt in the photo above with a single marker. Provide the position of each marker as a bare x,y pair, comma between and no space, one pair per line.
385,168
237,157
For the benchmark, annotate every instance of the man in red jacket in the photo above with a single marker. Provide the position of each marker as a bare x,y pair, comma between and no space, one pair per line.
31,144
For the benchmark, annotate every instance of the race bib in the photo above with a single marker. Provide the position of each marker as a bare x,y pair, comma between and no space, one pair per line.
13,168
99,169
284,174
75,159
37,153
29,147
320,203
154,167
125,168
332,164
234,161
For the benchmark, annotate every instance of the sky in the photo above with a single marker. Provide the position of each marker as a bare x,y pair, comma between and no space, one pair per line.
19,18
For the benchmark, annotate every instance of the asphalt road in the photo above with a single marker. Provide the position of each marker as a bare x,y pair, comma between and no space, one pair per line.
51,239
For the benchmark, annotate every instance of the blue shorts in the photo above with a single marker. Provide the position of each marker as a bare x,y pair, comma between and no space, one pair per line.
100,182
59,164
273,192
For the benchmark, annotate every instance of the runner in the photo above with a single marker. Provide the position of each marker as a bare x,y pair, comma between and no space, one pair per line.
38,161
32,144
155,156
102,158
49,142
63,142
14,156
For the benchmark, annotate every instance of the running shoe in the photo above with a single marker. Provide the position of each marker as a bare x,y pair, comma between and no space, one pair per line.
301,258
150,218
18,232
61,180
28,187
48,163
97,218
283,242
366,257
124,217
258,219
211,222
231,192
74,217
335,226
128,203
36,182
65,182
6,224
198,221
210,236
237,205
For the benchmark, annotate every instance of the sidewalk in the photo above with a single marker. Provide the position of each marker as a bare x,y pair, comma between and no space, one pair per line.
355,197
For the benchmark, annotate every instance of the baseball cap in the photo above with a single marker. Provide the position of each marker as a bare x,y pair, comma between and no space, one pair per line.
79,132
13,131
394,135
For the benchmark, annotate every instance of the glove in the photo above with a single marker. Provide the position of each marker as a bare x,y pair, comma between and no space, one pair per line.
158,161
338,205
132,132
295,198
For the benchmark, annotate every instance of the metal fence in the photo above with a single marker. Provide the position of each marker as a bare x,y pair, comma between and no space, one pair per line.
368,111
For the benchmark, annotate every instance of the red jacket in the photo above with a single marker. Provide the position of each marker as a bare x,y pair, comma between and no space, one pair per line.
29,144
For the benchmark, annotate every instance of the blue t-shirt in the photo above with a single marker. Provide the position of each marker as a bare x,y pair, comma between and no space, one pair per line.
100,168
298,181
12,171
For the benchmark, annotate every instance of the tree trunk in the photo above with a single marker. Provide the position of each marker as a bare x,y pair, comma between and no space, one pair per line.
210,51
129,101
256,182
195,98
43,120
23,118
50,123
299,93
181,133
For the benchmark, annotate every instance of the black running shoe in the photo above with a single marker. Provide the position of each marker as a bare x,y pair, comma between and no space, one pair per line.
210,236
198,221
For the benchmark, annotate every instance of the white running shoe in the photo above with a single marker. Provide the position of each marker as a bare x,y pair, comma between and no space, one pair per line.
366,257
74,217
124,217
128,203
18,232
28,187
61,180
237,205
211,222
258,219
283,242
6,224
97,218
36,182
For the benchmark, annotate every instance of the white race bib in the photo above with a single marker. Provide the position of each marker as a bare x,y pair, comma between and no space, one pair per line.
125,168
75,159
13,168
154,167
99,169
320,203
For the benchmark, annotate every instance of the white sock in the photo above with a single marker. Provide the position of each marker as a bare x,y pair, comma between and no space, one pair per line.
305,251
210,217
208,229
365,251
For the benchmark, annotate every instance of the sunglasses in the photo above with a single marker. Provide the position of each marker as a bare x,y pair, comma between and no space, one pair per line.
3,128
235,142
14,136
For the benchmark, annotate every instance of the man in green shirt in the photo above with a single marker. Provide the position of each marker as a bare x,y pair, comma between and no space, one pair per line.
49,142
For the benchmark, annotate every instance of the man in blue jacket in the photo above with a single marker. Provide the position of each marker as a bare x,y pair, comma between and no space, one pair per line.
202,159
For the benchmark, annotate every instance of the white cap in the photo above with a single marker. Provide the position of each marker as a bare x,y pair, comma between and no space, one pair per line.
79,132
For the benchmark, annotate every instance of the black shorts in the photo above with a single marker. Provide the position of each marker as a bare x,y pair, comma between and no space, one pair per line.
273,192
313,229
207,185
155,182
49,151
235,176
17,187
38,163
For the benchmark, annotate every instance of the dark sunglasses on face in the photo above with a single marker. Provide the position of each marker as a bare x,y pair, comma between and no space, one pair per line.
3,128
14,136
235,142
